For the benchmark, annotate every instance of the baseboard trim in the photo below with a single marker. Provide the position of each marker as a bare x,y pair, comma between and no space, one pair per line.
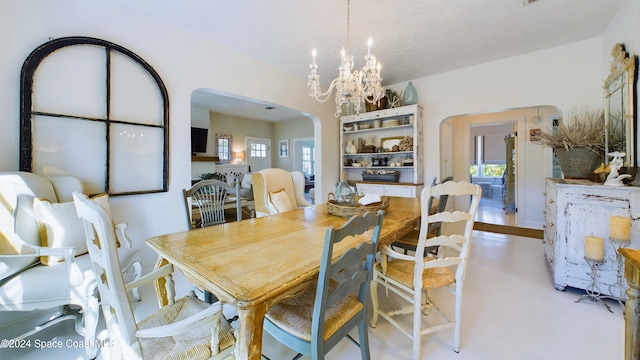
509,230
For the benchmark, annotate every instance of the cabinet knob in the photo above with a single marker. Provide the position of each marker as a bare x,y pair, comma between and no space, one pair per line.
551,201
550,261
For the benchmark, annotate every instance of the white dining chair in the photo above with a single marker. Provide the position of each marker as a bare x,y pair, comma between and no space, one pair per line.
413,277
187,328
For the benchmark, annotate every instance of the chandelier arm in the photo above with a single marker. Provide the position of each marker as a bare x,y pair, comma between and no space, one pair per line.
324,96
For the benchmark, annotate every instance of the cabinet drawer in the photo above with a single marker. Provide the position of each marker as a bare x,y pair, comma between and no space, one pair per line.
400,191
370,189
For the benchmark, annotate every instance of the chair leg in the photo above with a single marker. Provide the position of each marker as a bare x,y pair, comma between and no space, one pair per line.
457,318
374,300
417,321
364,338
91,312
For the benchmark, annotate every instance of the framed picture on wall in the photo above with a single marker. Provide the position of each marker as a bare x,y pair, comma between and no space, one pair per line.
283,148
534,135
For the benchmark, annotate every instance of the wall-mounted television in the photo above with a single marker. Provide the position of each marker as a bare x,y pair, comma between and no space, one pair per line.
199,140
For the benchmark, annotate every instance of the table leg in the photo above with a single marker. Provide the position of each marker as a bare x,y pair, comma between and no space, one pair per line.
249,341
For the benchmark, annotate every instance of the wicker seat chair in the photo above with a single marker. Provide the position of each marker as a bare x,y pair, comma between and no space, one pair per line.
186,328
413,277
314,321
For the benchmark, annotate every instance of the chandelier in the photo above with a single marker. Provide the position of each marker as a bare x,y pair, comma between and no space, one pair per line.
352,86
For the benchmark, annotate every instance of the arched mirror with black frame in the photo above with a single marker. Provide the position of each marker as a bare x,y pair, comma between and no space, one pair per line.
95,110
619,103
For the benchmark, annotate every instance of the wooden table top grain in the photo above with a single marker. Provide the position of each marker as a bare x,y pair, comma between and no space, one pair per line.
255,263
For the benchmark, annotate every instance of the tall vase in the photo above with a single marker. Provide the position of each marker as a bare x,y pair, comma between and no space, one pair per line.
577,163
410,95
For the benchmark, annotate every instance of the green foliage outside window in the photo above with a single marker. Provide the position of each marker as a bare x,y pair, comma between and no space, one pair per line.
494,170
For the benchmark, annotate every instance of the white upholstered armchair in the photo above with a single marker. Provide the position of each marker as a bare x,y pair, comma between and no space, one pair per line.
277,190
66,287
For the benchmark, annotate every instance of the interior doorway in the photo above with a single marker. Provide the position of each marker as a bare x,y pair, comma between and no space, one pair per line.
532,163
493,158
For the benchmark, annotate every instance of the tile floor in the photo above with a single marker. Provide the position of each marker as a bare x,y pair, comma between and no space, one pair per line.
511,311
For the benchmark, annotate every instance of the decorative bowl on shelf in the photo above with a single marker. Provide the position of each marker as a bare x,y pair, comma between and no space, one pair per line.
390,122
348,128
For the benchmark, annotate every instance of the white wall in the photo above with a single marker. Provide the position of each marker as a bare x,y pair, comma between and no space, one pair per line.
563,77
184,61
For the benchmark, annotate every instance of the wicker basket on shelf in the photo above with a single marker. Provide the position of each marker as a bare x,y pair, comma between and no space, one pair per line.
349,211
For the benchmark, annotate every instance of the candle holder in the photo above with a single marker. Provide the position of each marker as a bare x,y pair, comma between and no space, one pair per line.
593,292
620,281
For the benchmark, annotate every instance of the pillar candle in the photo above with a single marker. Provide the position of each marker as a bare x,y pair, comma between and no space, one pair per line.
594,247
620,228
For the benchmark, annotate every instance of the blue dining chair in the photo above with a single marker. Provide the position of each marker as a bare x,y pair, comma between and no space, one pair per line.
314,321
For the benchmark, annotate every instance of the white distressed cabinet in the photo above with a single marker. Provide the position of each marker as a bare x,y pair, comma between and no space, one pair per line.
373,128
578,208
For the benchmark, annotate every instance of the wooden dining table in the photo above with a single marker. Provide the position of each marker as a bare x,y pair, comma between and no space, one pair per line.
253,264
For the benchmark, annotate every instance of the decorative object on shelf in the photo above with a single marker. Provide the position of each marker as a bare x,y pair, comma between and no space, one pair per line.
410,95
406,144
393,100
390,122
600,173
344,194
351,148
636,180
614,178
578,144
352,87
380,175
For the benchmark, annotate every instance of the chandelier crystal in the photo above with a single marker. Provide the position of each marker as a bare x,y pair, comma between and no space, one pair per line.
352,86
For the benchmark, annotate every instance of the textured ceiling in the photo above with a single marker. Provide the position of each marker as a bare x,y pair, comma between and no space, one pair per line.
412,39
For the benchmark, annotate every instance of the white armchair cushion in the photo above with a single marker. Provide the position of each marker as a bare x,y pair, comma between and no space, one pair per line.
281,202
60,227
34,288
